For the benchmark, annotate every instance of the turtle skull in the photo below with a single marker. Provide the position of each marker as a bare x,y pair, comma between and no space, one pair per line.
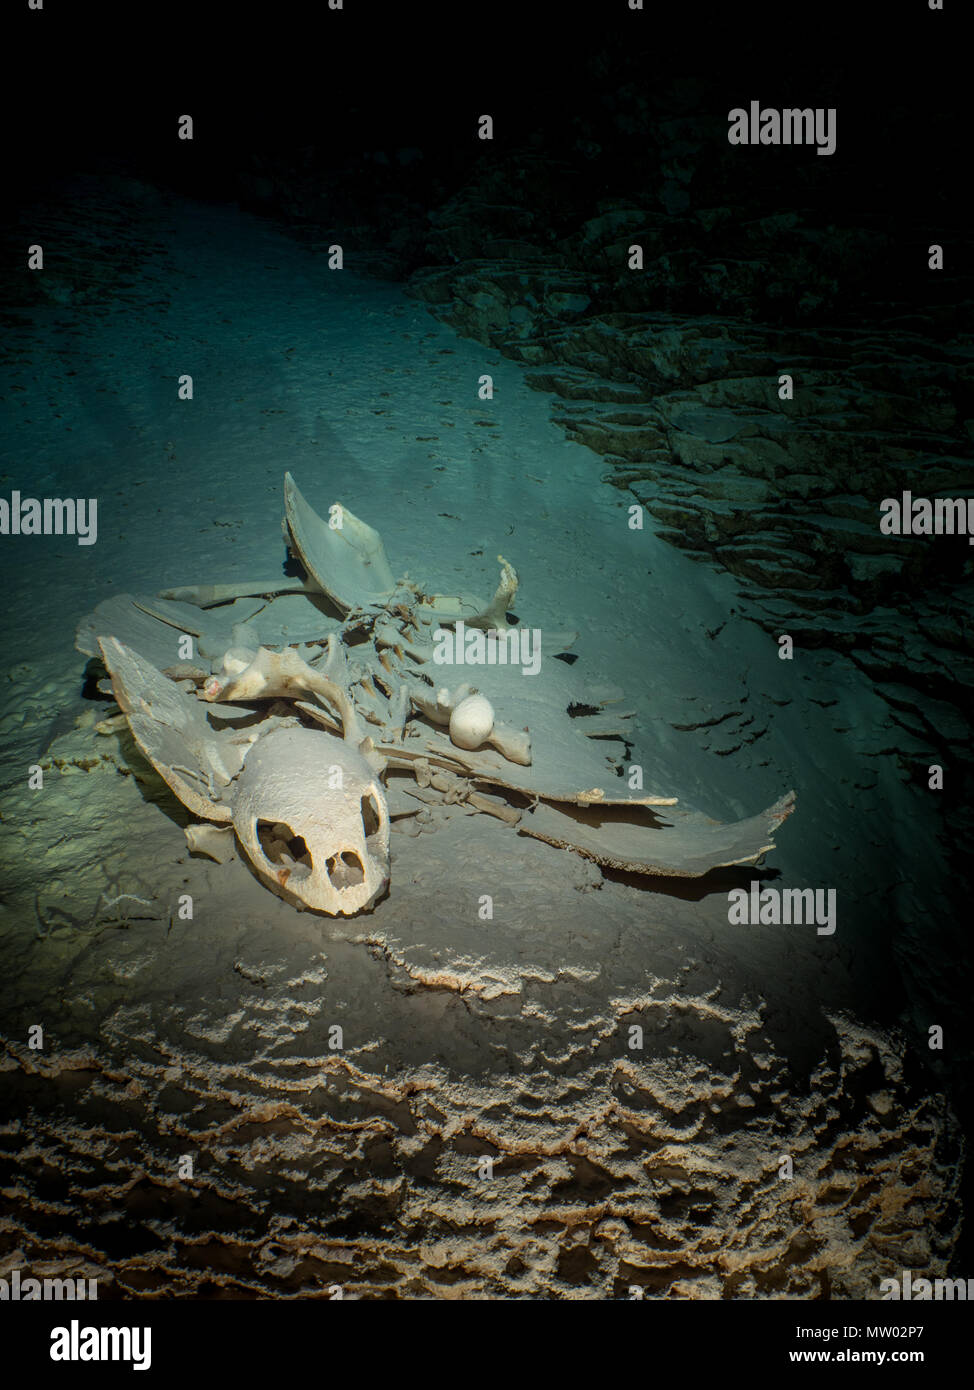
311,814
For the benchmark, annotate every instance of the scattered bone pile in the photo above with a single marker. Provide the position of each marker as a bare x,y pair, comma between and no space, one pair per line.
308,720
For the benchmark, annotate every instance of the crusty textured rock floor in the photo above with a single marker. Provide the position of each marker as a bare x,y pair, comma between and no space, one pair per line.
462,1041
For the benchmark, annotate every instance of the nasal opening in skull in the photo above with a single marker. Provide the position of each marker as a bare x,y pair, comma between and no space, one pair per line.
284,848
345,870
370,815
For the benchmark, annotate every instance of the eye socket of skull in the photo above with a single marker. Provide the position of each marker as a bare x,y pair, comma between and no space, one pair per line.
283,848
373,813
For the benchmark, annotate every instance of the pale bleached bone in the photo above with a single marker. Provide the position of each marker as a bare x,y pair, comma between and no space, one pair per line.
681,844
298,613
331,661
569,770
419,647
560,762
674,843
155,628
318,787
488,766
290,618
315,784
513,744
455,791
236,660
173,732
347,562
471,721
199,622
321,715
212,629
209,595
564,764
118,617
395,722
450,608
284,674
215,841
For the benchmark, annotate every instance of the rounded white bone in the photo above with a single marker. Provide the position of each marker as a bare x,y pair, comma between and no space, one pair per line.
472,722
237,659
